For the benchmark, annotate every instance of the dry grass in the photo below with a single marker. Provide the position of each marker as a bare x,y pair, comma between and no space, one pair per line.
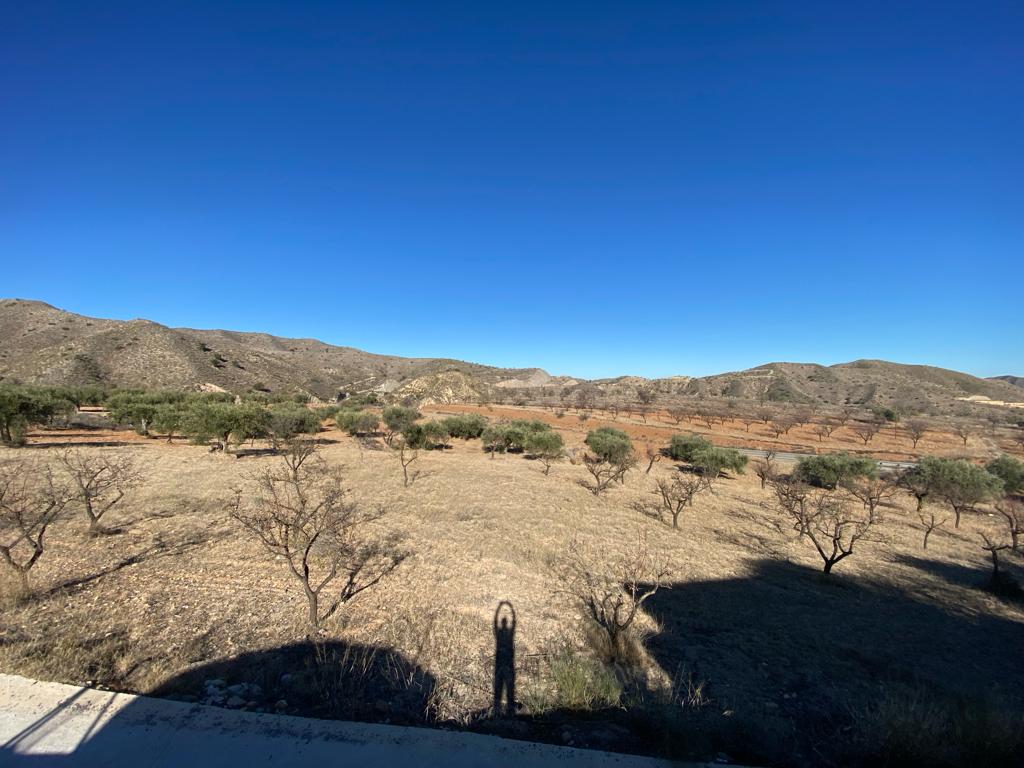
772,651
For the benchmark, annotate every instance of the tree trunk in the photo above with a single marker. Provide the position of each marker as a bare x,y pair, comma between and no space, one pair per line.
314,608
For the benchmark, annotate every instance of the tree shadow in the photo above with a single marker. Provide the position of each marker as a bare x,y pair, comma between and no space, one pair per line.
796,656
154,551
973,578
34,444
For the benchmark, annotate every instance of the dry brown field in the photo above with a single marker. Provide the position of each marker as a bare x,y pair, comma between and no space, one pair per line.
786,662
891,443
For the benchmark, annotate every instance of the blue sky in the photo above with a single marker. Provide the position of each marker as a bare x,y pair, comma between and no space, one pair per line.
594,188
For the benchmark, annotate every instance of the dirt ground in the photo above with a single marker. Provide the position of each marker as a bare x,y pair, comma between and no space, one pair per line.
747,615
891,443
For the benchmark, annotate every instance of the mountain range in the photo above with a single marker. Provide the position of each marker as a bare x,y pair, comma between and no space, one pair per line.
40,344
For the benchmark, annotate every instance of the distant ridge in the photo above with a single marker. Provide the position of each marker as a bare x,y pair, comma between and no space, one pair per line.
41,344
1017,381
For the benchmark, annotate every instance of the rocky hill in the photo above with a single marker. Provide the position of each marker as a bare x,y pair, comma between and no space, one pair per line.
861,382
40,344
43,345
1017,381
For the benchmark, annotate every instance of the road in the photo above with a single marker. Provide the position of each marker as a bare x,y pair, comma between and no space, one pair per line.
787,456
43,724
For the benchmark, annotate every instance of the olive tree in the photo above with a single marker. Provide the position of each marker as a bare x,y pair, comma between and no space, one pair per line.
289,420
829,470
545,446
610,456
397,418
1010,471
22,407
963,486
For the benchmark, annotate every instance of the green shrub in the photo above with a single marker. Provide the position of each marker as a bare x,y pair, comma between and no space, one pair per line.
414,437
21,407
357,422
288,420
1010,471
435,434
609,444
829,470
397,418
684,447
710,462
575,682
467,427
512,435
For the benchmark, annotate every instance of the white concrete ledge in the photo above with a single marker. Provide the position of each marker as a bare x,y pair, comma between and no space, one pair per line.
50,723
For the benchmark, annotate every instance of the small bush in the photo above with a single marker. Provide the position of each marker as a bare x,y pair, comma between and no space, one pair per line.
575,682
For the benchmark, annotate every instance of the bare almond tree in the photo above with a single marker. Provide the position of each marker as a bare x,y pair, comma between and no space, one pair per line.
872,492
845,414
931,521
866,430
327,542
678,415
964,432
781,425
32,496
994,548
827,520
610,594
1012,511
653,455
764,468
916,429
748,421
707,416
824,430
297,451
407,456
100,482
603,473
678,493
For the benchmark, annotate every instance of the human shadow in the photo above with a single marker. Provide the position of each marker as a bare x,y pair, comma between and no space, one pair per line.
330,680
504,660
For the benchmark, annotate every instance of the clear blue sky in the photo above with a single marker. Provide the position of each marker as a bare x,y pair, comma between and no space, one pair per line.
595,188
